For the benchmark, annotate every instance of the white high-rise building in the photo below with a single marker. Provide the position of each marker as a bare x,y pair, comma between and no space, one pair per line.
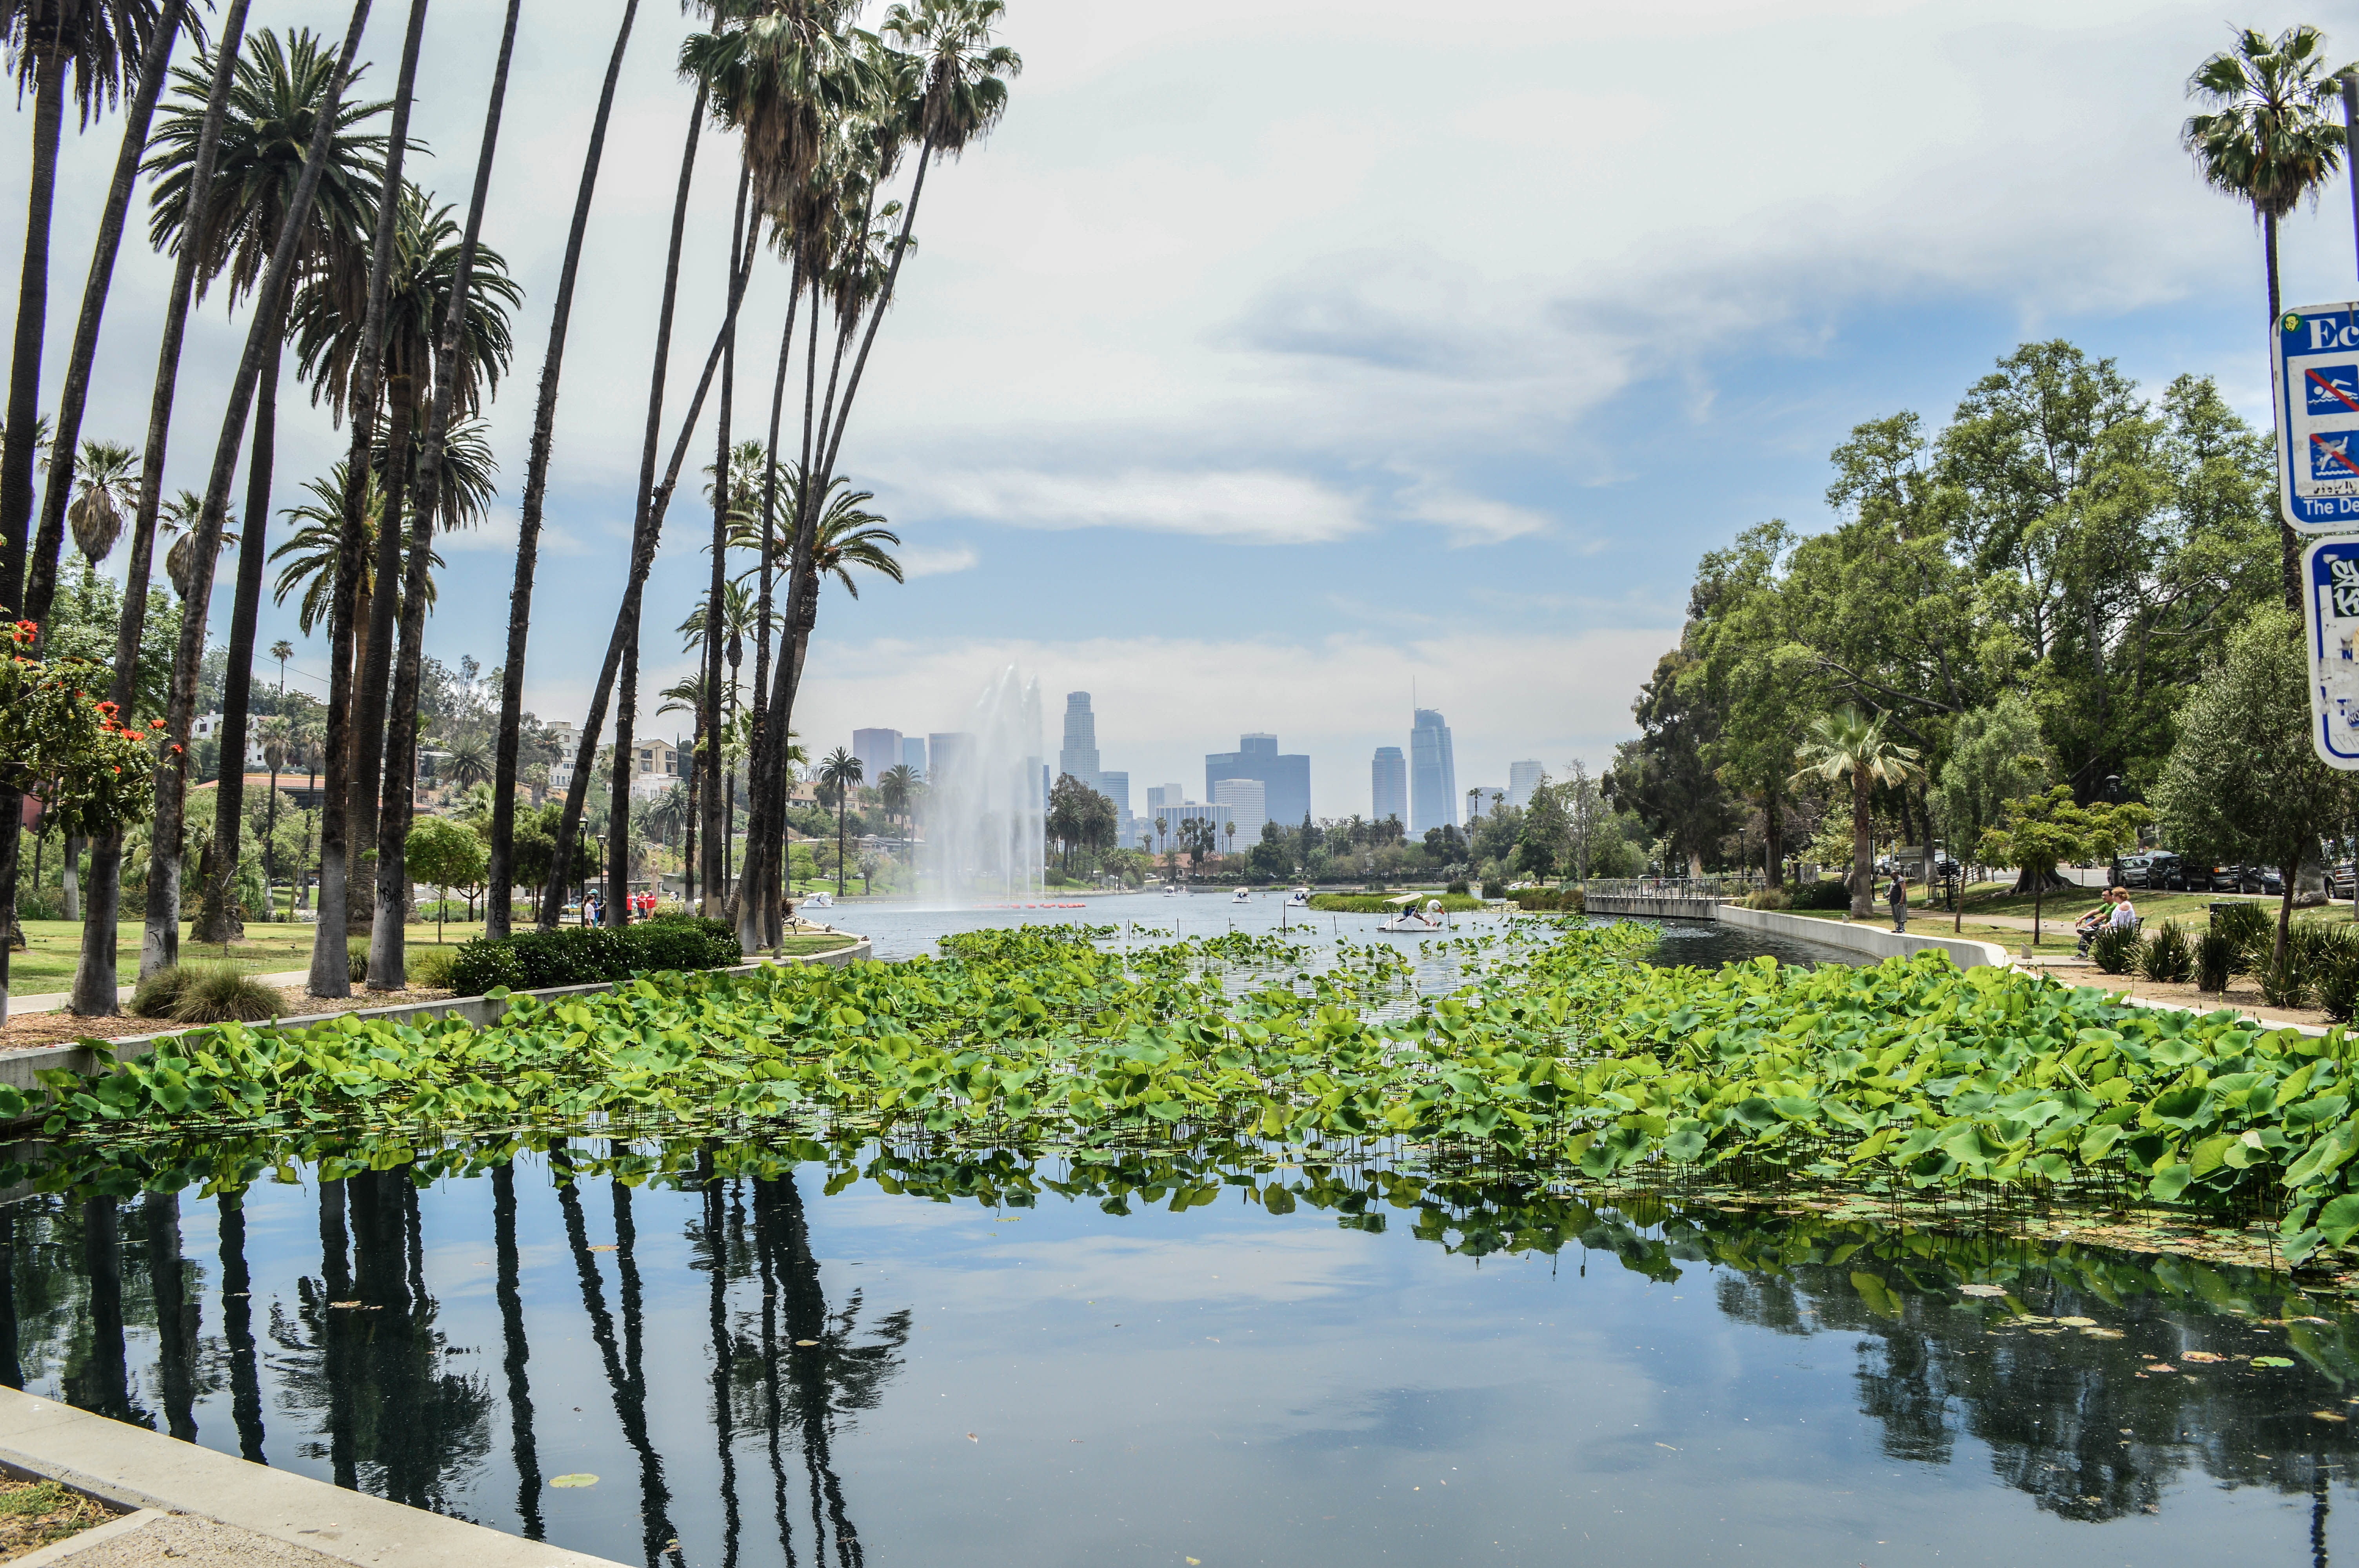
1388,785
879,752
1248,804
1522,779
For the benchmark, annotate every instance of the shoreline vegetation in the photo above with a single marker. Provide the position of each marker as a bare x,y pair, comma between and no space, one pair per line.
1907,1091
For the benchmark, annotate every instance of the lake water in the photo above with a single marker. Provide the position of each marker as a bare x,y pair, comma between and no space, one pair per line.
767,1372
904,930
916,1359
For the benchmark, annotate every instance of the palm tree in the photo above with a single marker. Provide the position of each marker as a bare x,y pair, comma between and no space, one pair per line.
331,962
94,42
501,876
282,651
2269,138
471,348
294,189
469,761
311,551
178,518
162,35
1846,743
330,325
109,484
94,973
840,771
897,790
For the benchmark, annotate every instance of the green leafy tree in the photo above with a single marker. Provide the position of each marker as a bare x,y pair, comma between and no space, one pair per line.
2244,779
1995,756
2040,832
450,855
1664,775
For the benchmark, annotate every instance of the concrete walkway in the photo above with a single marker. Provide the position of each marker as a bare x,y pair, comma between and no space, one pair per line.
209,1506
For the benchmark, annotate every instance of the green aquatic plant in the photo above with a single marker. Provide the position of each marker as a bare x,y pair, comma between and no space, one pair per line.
1559,1048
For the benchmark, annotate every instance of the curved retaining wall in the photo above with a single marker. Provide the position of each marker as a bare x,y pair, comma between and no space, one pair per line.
1876,941
17,1067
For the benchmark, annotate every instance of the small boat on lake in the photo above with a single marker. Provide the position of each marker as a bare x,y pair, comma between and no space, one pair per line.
1299,899
1240,896
1411,919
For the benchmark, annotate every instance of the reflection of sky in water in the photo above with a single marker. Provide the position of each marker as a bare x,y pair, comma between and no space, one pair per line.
1057,1384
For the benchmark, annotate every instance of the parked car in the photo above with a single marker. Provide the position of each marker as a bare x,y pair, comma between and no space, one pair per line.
2259,879
2166,872
2342,879
2228,878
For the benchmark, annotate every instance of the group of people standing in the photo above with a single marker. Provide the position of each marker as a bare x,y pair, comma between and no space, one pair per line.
594,906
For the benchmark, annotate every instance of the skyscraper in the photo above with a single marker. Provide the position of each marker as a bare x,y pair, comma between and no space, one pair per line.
1248,804
1115,787
1432,775
913,755
1285,780
879,752
1522,779
946,752
1388,784
1079,755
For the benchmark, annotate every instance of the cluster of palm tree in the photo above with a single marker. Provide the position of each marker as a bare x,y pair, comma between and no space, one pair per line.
270,181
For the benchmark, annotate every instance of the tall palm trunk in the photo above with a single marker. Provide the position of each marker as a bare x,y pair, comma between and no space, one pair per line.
501,875
350,608
66,435
17,448
217,919
2288,542
577,793
616,910
750,934
708,704
32,320
1863,868
94,973
373,658
646,536
386,969
814,487
159,945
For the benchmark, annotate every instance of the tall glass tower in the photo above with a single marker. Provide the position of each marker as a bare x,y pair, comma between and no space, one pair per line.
1388,785
1432,775
1079,756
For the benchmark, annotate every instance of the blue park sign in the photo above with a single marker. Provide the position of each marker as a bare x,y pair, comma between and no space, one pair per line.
2315,355
2330,568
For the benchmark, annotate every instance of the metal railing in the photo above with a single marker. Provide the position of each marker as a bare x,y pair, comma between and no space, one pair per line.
1713,888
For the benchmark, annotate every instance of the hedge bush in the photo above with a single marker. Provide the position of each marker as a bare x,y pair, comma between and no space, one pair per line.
1545,900
1827,893
589,955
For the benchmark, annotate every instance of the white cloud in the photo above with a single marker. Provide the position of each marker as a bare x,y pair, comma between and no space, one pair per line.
496,536
1469,519
937,560
1251,507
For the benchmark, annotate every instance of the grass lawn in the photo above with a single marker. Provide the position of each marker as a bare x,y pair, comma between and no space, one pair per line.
273,948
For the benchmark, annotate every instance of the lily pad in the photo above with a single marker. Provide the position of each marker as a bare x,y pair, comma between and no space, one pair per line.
2199,1356
805,1342
580,1478
2101,1333
1982,1290
2077,1322
2272,1361
2328,1415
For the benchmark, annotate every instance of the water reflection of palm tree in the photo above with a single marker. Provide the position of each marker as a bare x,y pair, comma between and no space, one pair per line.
98,1380
372,1369
237,1325
176,1315
516,1351
720,1241
658,1539
826,1372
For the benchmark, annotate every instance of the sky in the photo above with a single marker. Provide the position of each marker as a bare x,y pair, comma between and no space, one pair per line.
1274,359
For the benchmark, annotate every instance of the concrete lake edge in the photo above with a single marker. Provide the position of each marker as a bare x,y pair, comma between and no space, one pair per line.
18,1069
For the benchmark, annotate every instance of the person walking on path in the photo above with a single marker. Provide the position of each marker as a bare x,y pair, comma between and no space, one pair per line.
1898,899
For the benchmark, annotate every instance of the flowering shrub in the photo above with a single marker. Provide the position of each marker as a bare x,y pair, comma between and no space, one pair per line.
93,773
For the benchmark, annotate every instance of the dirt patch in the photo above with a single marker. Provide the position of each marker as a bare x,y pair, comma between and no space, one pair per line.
34,1513
33,1029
